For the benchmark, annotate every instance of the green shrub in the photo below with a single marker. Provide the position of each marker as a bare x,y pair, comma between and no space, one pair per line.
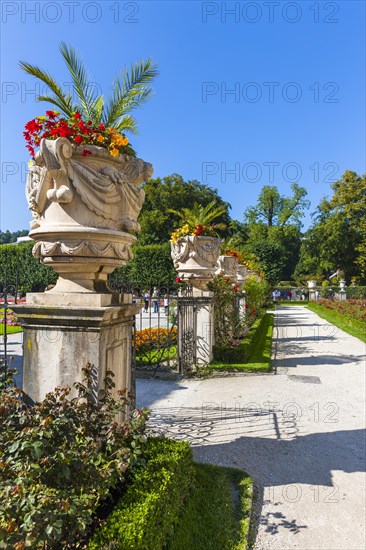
257,292
356,292
241,352
59,460
148,511
151,265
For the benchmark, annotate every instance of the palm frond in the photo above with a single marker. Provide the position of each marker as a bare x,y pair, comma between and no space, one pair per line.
62,100
127,124
81,82
130,91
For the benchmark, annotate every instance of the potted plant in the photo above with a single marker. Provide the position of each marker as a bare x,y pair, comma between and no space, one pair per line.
195,245
84,182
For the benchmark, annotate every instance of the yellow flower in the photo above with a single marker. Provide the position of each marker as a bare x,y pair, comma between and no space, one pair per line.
125,141
100,138
114,152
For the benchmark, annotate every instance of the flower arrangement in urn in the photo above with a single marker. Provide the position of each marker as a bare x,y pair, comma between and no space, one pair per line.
195,245
84,182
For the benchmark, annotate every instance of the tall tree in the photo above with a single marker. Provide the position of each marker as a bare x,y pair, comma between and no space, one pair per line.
337,238
276,209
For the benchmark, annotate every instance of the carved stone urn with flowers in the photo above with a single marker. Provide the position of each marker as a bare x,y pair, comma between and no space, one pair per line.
195,246
84,182
85,210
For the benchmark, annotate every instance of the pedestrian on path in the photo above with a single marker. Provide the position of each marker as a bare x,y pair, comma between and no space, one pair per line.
155,300
146,302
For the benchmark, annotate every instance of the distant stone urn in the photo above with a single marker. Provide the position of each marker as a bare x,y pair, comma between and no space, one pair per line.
85,211
228,265
195,259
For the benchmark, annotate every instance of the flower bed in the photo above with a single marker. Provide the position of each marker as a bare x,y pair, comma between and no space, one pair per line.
348,315
12,323
355,309
156,345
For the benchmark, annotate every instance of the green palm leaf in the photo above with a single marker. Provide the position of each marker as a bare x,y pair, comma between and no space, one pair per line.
62,100
130,91
81,82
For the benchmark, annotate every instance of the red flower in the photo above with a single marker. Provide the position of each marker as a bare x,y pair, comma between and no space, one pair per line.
51,114
86,152
227,279
236,288
178,280
33,126
30,149
101,127
78,139
77,116
246,306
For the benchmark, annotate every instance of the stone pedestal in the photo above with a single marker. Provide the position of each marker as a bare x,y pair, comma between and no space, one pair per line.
64,332
342,294
312,291
205,335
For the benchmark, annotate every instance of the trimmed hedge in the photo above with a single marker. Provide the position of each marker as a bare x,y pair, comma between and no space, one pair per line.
32,275
147,513
242,352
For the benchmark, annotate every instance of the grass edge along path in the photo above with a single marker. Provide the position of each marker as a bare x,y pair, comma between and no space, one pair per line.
351,326
260,358
217,514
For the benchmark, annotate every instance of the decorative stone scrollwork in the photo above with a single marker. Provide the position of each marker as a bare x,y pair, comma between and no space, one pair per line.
195,259
85,211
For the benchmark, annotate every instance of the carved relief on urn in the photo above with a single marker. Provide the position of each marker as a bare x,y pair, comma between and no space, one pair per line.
195,259
84,211
229,266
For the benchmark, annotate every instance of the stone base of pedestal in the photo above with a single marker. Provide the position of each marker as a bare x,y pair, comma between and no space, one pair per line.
64,332
342,295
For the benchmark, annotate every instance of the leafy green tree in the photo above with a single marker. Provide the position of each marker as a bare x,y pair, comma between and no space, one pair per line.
276,209
130,90
157,219
272,231
337,238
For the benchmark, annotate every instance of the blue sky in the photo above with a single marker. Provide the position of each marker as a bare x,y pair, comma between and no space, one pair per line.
249,93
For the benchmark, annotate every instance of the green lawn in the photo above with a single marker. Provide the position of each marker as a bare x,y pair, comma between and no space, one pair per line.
217,515
260,358
352,326
9,329
156,356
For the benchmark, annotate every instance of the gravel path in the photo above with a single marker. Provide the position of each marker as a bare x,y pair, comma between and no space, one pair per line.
300,433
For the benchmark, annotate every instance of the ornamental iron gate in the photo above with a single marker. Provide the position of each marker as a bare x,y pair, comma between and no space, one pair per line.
187,329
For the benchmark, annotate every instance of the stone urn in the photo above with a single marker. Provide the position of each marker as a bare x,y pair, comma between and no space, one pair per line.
342,284
85,209
195,259
241,274
229,266
312,284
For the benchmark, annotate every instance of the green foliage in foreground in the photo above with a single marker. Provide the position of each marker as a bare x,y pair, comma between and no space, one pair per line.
176,504
211,519
60,459
252,354
352,326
